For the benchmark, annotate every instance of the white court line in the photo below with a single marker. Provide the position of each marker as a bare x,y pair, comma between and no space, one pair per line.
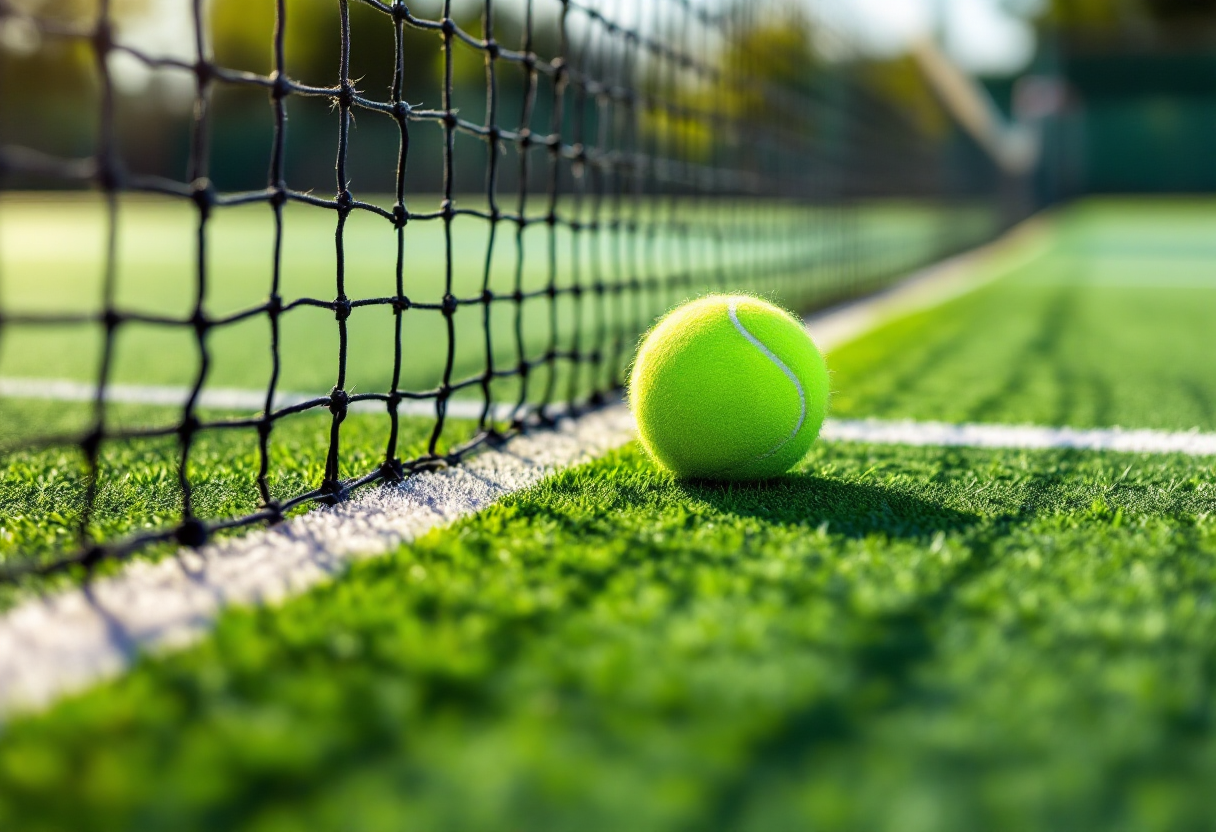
63,390
1024,437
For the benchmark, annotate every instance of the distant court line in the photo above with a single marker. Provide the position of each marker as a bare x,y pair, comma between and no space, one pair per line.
65,390
1023,437
875,431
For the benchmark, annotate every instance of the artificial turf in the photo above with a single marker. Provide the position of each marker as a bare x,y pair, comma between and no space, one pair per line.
890,638
43,492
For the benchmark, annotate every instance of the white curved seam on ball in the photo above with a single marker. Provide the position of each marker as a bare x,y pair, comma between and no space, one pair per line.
781,365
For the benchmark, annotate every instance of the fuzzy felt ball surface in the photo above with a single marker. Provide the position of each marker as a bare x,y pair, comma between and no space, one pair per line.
728,387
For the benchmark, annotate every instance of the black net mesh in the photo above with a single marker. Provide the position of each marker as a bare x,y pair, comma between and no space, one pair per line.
538,180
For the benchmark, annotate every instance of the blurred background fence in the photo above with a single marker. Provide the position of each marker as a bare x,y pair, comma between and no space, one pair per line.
1121,92
57,79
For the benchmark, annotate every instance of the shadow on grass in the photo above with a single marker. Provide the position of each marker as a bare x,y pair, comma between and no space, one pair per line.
886,649
850,509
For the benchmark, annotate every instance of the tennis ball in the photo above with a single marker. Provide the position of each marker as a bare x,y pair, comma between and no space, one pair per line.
728,387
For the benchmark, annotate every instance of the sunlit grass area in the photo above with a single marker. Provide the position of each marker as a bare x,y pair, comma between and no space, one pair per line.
1115,325
978,639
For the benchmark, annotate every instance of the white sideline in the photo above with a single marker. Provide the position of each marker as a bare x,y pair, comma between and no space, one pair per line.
1024,437
63,390
58,644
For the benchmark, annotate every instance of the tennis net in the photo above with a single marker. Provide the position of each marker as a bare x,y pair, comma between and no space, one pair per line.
490,202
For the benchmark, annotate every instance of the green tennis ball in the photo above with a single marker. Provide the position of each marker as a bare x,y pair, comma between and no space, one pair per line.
728,387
